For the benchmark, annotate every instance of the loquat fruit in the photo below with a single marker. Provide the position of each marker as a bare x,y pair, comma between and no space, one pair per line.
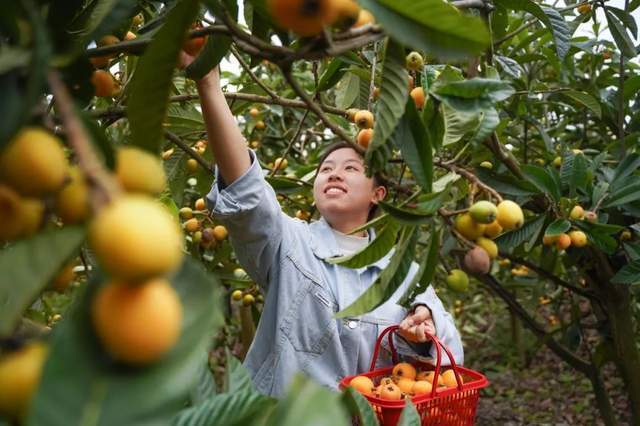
418,96
72,202
140,171
404,370
364,138
34,163
364,119
510,215
220,232
132,250
137,324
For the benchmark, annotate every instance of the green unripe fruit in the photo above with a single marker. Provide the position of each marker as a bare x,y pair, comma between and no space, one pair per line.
486,165
458,280
483,212
414,61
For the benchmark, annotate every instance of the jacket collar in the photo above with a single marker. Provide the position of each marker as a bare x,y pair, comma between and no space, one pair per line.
324,246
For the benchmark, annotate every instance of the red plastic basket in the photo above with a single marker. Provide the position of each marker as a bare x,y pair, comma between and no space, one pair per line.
455,406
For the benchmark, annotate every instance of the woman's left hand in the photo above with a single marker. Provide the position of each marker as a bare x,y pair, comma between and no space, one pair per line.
417,325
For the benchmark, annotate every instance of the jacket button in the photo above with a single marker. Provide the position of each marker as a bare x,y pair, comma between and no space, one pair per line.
352,324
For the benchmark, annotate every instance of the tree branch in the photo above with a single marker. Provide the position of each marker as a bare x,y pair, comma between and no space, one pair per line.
187,149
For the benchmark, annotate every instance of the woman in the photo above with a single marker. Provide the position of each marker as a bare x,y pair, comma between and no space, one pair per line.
287,257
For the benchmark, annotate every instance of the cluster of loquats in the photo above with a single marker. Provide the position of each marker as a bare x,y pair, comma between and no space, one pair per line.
136,313
405,382
197,223
575,238
483,222
309,17
364,119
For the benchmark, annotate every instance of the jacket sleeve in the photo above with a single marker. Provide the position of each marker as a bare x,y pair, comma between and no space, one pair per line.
248,208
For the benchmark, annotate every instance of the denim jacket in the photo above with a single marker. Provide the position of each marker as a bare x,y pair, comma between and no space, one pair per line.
297,330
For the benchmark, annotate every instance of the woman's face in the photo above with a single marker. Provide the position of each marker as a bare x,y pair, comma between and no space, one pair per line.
342,191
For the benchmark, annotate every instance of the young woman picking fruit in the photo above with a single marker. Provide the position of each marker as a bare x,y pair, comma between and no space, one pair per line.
288,258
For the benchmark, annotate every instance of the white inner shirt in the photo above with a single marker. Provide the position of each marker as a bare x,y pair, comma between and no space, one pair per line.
350,244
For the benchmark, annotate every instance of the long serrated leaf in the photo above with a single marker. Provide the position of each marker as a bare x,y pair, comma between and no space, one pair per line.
415,146
409,415
542,180
427,270
624,195
151,83
331,74
433,26
100,391
489,120
29,266
308,403
586,100
406,216
527,233
628,274
359,407
205,386
626,18
236,378
457,123
393,95
557,227
485,88
551,18
239,408
620,35
380,246
628,165
348,91
389,279
579,176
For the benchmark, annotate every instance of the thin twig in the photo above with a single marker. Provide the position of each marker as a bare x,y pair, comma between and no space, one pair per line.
337,130
103,186
291,142
188,150
372,83
254,77
470,177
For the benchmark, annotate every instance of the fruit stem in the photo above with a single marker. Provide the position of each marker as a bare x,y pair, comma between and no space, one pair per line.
103,187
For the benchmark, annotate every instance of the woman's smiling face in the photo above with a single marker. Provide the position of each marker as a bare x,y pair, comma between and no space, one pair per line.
343,193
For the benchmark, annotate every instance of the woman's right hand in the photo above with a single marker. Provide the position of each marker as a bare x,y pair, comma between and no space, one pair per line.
211,78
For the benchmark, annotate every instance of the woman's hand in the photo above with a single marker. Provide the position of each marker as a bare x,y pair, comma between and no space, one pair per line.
417,325
211,79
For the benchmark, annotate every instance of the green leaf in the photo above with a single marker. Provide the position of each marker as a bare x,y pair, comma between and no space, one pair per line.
483,88
152,81
551,18
100,391
215,48
405,215
409,415
240,408
528,233
628,274
542,180
586,100
457,123
489,120
236,378
629,164
626,18
599,234
631,86
331,75
633,250
348,90
29,266
425,274
359,407
575,173
380,246
308,403
205,387
557,227
506,184
620,35
412,139
393,96
623,195
433,26
389,279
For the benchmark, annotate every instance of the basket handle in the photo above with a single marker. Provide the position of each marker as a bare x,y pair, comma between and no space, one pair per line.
394,355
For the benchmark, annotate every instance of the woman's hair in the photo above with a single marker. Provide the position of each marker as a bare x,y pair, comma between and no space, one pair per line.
377,178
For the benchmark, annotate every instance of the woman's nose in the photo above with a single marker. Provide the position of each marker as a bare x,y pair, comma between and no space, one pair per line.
334,176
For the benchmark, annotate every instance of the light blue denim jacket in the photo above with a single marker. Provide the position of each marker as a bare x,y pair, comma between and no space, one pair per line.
297,330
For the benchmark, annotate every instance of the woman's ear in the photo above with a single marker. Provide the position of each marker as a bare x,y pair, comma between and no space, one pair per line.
379,193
